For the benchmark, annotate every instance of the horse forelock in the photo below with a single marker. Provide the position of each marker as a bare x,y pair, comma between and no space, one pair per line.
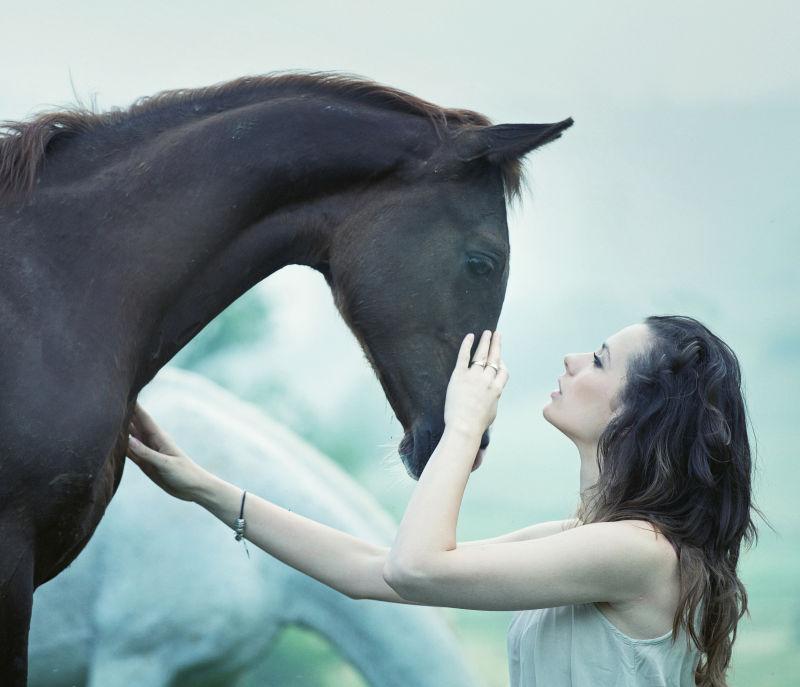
24,146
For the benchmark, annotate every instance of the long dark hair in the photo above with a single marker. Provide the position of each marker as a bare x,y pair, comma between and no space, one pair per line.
677,454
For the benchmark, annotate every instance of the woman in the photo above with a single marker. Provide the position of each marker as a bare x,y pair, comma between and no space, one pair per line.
639,588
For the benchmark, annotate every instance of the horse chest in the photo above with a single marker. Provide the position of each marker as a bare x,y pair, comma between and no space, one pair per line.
61,459
78,502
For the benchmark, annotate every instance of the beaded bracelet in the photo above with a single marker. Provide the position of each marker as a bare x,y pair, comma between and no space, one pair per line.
240,524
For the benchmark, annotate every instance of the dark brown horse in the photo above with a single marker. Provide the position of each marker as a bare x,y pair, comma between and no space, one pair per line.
122,234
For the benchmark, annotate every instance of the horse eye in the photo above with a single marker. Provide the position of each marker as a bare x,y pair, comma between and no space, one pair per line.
480,266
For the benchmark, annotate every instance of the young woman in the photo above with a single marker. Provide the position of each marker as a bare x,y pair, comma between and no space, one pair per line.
639,588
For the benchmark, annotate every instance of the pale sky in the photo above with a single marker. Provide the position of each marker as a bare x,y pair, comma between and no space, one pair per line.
510,59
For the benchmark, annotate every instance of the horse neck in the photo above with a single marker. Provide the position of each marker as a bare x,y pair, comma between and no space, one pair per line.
190,217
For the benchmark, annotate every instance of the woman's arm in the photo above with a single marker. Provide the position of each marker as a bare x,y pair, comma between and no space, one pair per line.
601,562
428,526
374,586
536,531
350,565
615,562
346,563
339,560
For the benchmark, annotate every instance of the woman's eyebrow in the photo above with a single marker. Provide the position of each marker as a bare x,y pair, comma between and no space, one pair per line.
608,350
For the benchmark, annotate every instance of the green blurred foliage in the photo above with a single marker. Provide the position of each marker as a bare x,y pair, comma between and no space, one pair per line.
301,657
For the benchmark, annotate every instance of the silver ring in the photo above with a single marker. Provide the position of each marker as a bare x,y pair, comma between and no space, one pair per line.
482,363
488,364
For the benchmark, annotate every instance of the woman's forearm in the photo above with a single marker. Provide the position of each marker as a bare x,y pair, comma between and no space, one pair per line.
428,527
331,556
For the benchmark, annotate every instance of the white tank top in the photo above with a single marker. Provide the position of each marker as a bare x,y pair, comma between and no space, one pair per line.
577,646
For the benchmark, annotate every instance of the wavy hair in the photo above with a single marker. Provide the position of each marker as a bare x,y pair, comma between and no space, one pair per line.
676,454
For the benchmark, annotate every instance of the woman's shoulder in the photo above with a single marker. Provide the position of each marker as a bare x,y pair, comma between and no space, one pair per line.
647,535
640,533
664,576
649,614
644,542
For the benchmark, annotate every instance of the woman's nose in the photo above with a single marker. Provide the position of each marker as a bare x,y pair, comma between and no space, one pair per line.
570,362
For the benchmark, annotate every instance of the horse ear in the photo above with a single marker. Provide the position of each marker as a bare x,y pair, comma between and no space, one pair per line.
503,142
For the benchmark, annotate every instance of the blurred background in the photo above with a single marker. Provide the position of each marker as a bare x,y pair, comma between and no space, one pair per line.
672,193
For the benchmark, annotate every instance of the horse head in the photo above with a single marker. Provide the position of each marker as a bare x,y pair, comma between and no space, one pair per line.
424,260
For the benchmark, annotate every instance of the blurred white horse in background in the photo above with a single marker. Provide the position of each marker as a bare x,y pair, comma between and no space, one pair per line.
163,595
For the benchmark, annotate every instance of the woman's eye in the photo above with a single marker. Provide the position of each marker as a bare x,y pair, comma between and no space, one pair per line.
597,360
480,266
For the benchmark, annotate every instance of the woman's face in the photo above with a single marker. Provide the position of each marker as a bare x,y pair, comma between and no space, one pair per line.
589,386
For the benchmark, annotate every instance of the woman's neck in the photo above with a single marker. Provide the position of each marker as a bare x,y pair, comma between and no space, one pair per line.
589,471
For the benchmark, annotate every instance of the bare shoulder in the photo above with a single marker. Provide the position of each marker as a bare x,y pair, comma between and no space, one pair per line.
651,536
654,547
650,612
638,543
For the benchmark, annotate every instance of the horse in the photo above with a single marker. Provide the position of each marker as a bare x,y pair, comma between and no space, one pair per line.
124,233
208,613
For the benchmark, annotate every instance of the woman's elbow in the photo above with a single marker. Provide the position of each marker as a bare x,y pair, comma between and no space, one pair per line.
402,577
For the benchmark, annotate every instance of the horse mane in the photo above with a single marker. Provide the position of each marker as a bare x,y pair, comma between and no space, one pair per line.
24,146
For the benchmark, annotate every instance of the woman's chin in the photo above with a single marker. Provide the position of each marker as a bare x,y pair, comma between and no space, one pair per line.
547,415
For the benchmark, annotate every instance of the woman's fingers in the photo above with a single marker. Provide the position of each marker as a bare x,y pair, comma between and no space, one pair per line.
463,352
138,452
144,423
482,351
175,474
142,450
494,351
472,398
148,431
501,378
135,426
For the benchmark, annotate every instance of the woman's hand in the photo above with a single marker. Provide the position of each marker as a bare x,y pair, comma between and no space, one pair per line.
474,390
160,458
